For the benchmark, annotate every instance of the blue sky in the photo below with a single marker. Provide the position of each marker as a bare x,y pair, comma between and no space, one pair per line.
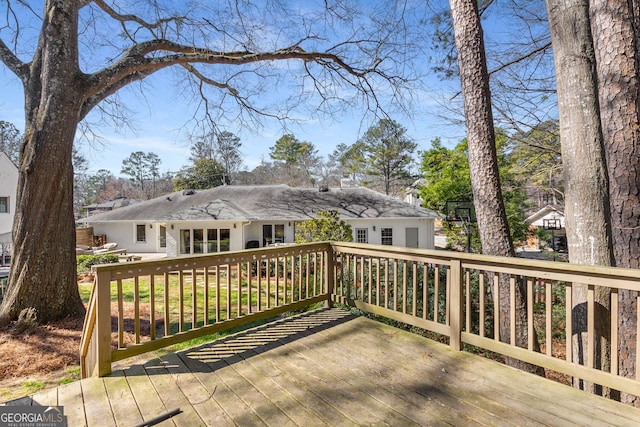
161,125
161,119
161,129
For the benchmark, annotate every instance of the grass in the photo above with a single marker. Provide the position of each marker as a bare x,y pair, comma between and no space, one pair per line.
73,374
227,299
32,386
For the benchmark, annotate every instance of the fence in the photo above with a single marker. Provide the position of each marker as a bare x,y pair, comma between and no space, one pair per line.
144,306
522,309
504,305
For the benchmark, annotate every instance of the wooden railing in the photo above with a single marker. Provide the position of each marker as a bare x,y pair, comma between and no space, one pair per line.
452,294
447,293
143,306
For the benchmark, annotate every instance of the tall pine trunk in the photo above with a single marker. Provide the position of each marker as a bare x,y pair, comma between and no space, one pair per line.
586,182
43,270
616,42
483,163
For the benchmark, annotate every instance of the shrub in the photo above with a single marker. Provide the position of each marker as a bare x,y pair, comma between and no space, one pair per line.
326,226
84,262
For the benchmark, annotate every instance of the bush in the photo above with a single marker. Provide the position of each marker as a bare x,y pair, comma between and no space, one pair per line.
84,262
326,226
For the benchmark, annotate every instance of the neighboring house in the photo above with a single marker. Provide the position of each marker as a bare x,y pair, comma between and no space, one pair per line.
412,193
550,218
8,191
109,205
236,217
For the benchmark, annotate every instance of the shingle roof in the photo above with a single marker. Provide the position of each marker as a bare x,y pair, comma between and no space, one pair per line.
264,202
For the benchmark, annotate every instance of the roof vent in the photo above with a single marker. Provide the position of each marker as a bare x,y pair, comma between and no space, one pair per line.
323,188
188,192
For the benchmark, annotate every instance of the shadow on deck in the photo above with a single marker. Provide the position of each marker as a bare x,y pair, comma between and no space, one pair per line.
327,367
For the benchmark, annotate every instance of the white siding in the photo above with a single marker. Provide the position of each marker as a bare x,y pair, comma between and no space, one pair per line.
124,234
425,228
8,188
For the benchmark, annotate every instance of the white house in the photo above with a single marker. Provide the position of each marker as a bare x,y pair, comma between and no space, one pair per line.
237,217
109,205
412,193
550,218
8,191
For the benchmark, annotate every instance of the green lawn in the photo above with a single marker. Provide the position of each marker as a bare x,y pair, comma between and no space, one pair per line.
179,302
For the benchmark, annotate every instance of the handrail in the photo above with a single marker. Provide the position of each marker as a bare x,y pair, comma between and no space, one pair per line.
400,283
179,299
87,334
447,293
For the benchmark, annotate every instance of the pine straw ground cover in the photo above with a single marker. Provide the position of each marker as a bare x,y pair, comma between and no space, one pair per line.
40,357
43,356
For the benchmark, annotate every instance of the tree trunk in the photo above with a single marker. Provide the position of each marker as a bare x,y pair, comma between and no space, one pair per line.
586,183
616,43
43,268
487,194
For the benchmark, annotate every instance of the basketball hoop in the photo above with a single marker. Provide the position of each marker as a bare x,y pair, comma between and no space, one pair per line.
463,214
551,224
460,211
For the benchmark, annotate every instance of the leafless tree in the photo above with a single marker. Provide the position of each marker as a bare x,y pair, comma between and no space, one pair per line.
228,53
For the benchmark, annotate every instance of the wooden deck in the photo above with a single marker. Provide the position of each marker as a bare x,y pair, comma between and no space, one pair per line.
328,367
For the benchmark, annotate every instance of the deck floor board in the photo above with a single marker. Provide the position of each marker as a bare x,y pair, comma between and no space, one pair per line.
328,367
166,385
96,403
70,396
149,403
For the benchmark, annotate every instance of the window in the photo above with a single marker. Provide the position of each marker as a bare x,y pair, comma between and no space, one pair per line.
362,235
272,234
198,241
4,205
141,233
279,233
212,240
267,235
192,241
386,235
163,236
225,238
185,241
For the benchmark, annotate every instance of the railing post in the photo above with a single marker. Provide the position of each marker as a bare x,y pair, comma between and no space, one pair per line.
329,274
103,323
455,305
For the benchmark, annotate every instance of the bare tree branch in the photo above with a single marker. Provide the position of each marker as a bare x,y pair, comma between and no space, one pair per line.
12,62
140,62
152,27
